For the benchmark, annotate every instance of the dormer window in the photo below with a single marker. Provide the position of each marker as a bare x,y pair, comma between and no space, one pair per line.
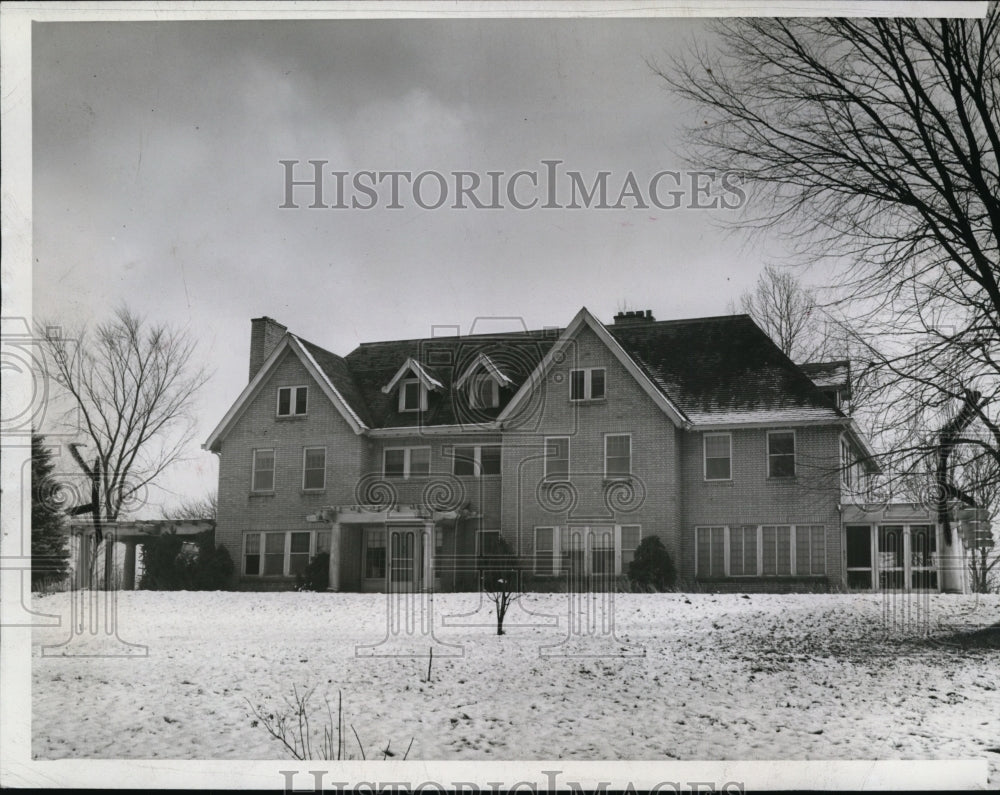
484,392
414,381
412,395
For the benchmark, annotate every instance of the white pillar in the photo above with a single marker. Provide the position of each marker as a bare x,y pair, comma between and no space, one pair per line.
334,556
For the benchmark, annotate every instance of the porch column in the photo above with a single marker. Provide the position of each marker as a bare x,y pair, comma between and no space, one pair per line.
334,556
428,568
128,575
907,559
109,560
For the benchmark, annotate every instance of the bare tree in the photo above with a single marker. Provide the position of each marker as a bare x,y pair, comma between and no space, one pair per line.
789,314
874,145
131,385
976,471
206,507
501,578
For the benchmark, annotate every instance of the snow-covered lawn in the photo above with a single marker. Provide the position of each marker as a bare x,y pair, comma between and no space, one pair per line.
723,677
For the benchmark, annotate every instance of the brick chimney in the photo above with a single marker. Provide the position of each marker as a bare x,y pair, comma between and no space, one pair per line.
639,316
265,334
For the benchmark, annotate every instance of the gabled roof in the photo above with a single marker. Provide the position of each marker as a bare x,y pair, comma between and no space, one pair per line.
585,318
484,362
328,370
424,375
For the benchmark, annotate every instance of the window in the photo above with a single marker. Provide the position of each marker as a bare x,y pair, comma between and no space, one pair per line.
810,549
617,455
314,468
406,462
710,547
262,478
484,392
375,554
412,395
718,456
846,466
557,458
630,537
277,554
743,551
545,543
585,551
292,400
776,548
476,460
487,542
586,384
781,454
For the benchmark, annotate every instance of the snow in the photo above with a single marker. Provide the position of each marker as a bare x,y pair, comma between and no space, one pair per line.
722,677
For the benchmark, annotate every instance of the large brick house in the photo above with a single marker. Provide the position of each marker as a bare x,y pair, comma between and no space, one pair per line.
404,460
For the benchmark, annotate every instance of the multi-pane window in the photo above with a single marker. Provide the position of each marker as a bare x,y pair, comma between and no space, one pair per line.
810,549
718,456
710,550
617,456
587,384
557,458
406,462
314,468
280,553
292,400
476,460
585,551
262,477
781,454
742,551
846,465
776,549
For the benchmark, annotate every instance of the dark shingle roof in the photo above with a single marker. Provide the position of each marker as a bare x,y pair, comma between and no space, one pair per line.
718,369
723,369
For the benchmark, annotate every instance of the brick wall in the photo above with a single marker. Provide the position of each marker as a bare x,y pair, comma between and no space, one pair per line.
626,409
258,427
751,498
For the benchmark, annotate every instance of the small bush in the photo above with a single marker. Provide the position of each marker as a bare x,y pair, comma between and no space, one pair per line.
317,574
652,566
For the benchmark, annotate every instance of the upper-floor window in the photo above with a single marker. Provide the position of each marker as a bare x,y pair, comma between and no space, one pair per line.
718,456
292,400
314,468
781,454
586,384
476,460
412,395
846,465
406,462
557,458
262,476
617,455
484,392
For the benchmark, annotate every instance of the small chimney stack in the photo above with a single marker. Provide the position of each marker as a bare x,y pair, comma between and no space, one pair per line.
631,318
265,334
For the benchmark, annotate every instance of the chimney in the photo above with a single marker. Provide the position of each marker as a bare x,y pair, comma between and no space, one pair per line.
265,334
631,318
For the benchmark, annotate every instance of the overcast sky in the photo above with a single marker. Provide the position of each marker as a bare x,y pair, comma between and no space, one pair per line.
157,181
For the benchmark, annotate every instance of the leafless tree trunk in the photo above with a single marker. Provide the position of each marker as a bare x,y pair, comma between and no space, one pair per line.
131,385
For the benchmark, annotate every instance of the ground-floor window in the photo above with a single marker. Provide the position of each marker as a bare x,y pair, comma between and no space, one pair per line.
760,550
278,553
599,550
